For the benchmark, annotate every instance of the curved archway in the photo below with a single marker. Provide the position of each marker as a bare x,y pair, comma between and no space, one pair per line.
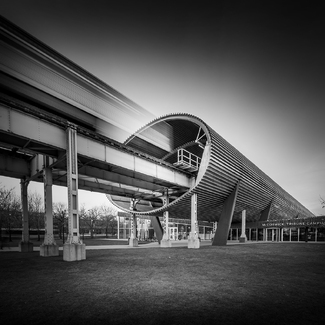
179,139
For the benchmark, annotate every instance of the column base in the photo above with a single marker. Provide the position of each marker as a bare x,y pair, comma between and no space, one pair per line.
49,250
133,242
193,243
242,239
25,246
74,252
165,243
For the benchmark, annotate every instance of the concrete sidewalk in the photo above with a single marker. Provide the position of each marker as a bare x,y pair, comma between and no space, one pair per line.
178,243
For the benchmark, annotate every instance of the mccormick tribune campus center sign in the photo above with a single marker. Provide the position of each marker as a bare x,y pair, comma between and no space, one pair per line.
306,222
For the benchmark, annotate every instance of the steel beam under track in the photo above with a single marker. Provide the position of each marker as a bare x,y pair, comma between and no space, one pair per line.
47,134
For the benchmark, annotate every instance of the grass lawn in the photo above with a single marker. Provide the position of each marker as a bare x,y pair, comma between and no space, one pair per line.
280,283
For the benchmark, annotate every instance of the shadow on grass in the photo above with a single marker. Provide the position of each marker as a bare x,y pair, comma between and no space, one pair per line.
235,284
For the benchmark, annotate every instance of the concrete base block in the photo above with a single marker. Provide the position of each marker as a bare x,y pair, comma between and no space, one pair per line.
243,239
133,242
165,243
74,252
193,243
26,247
49,250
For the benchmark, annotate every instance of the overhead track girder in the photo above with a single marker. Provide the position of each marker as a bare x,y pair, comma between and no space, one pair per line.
145,173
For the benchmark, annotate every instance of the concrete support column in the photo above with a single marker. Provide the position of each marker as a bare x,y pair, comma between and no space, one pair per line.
49,247
25,245
133,242
243,238
118,227
166,242
73,249
124,229
193,239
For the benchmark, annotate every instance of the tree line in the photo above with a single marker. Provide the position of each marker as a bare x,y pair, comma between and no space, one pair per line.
99,217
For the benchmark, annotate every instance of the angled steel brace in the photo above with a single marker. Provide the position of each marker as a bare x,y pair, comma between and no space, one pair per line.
221,235
155,222
266,213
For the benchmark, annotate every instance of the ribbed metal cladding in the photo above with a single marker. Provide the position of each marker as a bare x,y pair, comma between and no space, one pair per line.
226,167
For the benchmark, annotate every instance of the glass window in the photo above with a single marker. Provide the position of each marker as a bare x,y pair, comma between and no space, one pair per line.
286,234
294,234
253,234
321,234
234,234
260,234
311,234
302,234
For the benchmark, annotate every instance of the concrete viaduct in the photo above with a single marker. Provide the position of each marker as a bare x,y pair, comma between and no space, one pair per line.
61,125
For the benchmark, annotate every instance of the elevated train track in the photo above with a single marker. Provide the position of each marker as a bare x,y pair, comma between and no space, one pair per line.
104,164
43,88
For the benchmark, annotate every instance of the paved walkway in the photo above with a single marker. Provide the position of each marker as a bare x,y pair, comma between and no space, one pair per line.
178,243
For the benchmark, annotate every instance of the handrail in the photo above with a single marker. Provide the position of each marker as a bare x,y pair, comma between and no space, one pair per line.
188,159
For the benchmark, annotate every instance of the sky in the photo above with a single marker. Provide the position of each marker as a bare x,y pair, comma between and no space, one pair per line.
253,71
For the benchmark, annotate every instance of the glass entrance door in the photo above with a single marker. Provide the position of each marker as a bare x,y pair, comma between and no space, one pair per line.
173,233
272,234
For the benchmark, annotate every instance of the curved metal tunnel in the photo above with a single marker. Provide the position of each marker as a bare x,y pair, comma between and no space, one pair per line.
220,169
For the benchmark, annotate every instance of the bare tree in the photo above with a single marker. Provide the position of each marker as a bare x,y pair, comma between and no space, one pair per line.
10,213
82,219
108,218
60,217
322,202
90,217
36,212
15,215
